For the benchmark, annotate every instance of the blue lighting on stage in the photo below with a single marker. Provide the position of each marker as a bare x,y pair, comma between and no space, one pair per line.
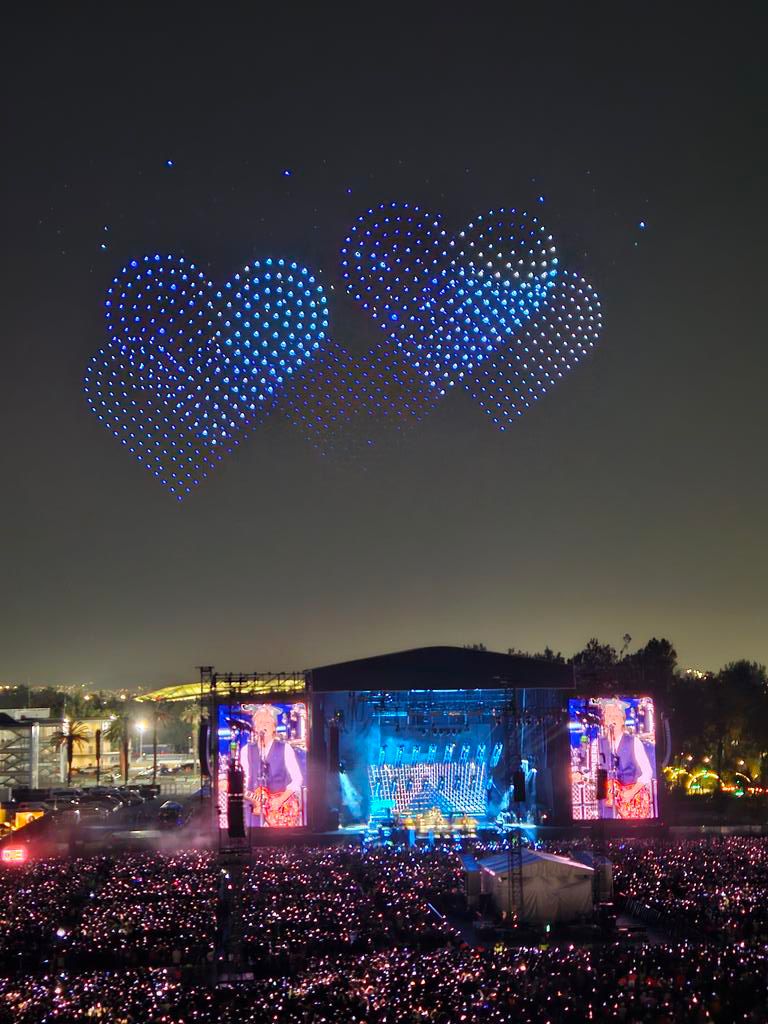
450,788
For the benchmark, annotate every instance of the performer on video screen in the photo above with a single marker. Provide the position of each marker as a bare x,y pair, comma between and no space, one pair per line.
630,775
273,779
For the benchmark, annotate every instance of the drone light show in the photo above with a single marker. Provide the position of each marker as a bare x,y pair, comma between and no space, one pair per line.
189,369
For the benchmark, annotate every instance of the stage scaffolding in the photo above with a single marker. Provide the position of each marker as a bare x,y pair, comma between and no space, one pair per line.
414,735
449,697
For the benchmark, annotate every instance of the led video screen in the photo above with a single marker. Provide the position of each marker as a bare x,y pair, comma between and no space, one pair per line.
263,754
613,758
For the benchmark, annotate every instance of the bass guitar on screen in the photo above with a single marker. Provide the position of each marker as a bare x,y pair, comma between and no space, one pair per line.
276,810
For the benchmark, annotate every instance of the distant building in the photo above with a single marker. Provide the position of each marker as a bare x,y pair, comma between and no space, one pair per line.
28,758
85,753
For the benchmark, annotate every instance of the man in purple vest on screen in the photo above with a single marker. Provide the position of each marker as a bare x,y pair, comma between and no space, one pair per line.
629,773
273,779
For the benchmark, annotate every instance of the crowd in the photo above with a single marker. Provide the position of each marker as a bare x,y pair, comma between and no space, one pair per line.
300,902
663,984
134,909
715,887
286,905
316,936
151,910
41,903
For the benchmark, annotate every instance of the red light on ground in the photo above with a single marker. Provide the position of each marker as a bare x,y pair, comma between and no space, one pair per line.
14,854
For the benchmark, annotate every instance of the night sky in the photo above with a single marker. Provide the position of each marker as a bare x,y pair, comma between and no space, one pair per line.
631,499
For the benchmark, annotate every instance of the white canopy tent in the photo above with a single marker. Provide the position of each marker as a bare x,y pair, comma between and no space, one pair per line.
554,888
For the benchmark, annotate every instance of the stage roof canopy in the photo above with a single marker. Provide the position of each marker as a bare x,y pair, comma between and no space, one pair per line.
443,668
423,668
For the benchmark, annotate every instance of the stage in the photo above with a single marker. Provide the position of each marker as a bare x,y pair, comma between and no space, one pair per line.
433,743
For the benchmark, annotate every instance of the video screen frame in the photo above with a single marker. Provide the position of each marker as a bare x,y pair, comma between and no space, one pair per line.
613,769
266,738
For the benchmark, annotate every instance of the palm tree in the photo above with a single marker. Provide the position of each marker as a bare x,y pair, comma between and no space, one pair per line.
159,717
97,738
70,734
119,735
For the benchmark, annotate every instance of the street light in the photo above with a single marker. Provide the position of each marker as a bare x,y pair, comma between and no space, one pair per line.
141,726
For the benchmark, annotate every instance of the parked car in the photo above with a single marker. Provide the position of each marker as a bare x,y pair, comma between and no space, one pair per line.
130,797
106,800
62,799
89,812
105,790
171,815
30,805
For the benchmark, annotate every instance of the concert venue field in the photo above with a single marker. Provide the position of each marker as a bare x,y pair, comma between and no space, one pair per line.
437,835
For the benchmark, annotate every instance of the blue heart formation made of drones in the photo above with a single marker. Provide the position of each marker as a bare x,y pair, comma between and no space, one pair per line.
189,369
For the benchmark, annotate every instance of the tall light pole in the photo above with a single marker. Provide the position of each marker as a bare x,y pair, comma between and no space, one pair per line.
141,726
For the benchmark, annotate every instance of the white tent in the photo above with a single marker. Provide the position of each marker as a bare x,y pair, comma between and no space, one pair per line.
553,888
